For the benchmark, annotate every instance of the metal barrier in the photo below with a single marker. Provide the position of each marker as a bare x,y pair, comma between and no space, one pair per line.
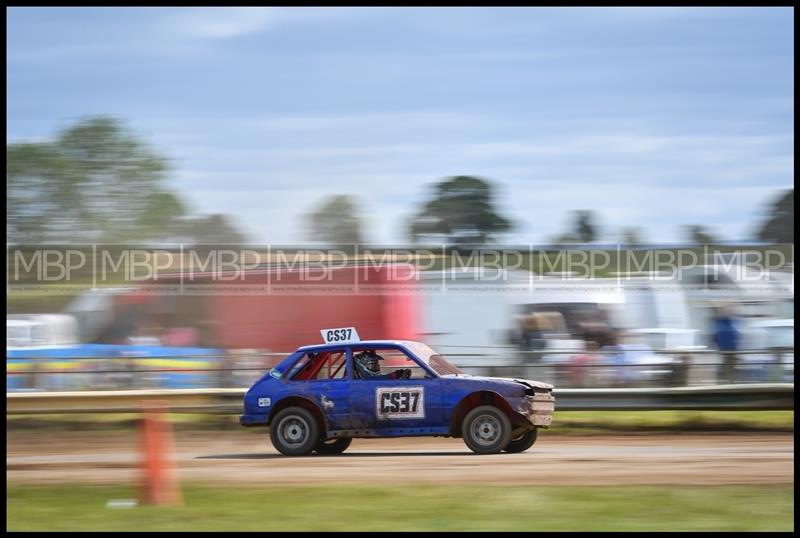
766,396
229,401
211,401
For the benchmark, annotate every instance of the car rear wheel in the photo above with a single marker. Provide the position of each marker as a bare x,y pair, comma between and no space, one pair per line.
486,430
294,432
522,442
333,446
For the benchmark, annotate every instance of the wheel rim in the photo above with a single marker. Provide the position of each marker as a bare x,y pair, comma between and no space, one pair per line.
330,441
519,437
293,431
485,430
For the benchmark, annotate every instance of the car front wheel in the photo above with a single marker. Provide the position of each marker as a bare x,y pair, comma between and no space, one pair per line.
294,432
333,445
486,430
522,442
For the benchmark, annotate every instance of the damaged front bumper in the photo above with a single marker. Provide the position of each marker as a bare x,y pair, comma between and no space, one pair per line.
538,408
539,404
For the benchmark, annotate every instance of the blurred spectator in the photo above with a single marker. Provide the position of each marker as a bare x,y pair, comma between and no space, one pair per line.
533,334
726,340
629,363
595,331
581,371
613,355
554,324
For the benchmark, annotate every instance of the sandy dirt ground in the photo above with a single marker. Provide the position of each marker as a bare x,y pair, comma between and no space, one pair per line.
248,458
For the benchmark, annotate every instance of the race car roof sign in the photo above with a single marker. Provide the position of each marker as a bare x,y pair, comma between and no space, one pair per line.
340,336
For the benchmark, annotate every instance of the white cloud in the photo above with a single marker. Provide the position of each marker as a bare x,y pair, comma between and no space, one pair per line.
229,22
220,23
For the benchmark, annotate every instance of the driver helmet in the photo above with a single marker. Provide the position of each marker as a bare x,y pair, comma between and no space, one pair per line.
367,362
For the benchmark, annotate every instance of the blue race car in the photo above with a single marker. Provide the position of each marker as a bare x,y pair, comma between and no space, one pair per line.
322,396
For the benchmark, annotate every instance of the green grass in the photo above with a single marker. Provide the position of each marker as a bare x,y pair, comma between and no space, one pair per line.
564,422
651,421
409,507
118,421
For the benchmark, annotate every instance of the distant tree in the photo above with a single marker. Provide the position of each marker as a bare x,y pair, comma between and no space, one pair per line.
460,211
335,222
584,226
95,181
98,182
779,227
213,229
699,235
163,215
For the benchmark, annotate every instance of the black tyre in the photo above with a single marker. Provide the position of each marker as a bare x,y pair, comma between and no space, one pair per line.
294,432
333,446
522,442
486,430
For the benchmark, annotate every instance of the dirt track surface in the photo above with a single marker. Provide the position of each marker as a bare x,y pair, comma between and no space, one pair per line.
248,458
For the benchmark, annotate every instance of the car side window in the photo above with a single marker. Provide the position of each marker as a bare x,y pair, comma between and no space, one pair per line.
321,366
391,363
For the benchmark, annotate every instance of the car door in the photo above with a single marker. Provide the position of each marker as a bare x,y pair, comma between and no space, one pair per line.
387,404
323,379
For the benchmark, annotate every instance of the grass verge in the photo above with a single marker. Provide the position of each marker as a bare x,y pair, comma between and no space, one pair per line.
438,508
585,422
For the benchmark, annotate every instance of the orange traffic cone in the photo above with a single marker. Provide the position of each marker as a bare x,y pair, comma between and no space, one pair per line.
159,481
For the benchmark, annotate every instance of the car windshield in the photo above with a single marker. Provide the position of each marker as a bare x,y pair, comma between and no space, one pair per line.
439,364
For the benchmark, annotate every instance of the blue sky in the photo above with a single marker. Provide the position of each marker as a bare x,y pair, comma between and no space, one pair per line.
654,118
